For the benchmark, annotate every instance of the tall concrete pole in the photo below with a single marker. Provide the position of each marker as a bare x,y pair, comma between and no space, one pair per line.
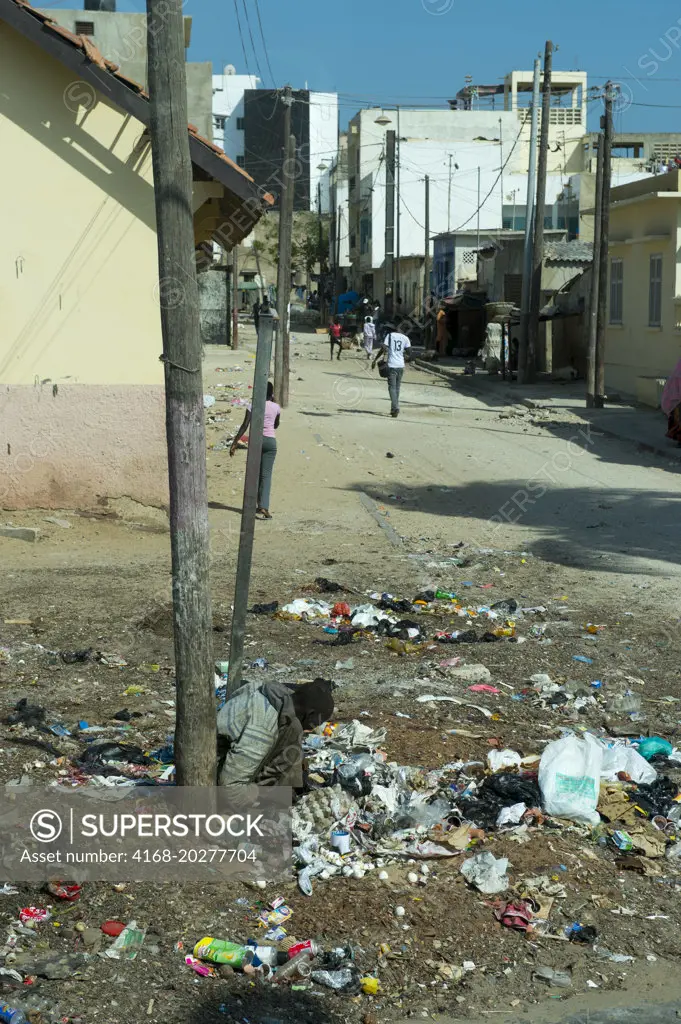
595,284
389,223
538,253
529,225
599,396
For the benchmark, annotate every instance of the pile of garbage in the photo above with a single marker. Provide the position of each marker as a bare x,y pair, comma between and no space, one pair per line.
364,813
383,616
278,956
101,755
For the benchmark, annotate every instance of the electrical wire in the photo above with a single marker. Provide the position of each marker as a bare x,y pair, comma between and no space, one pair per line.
241,36
501,171
250,33
264,43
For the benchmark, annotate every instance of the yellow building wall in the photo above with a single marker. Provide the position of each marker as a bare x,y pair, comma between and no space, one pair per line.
78,259
637,353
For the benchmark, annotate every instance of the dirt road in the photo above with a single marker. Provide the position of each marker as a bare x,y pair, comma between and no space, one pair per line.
591,530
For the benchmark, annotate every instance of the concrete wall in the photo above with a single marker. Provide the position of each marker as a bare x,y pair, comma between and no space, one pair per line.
200,97
214,306
122,38
636,353
79,292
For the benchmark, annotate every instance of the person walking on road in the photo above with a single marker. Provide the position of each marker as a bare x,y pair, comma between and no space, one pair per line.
369,335
395,344
269,450
335,335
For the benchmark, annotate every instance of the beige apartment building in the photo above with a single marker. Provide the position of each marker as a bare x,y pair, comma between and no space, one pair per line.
643,337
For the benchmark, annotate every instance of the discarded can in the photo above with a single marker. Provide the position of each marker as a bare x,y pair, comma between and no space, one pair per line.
219,951
341,840
309,946
622,841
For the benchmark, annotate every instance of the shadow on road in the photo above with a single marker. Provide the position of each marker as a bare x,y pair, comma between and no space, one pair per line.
598,529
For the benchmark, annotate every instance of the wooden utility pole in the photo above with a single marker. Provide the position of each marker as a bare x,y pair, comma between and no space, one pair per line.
595,283
529,228
339,226
284,253
285,324
185,425
599,394
243,569
538,253
235,297
389,223
320,245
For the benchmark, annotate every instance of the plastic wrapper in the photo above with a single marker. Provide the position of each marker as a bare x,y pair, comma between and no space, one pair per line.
486,872
346,979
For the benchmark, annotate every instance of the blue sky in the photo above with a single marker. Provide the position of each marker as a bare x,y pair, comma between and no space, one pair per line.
374,51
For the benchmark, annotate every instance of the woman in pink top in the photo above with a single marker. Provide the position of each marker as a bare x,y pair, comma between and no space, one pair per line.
269,449
671,404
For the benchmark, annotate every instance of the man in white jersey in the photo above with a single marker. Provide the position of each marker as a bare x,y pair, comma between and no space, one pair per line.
395,344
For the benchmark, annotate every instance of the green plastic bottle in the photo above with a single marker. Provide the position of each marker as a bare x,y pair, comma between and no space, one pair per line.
445,595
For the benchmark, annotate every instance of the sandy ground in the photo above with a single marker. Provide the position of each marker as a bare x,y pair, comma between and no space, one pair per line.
590,528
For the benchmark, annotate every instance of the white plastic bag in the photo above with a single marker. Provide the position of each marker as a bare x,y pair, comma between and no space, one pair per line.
570,778
618,757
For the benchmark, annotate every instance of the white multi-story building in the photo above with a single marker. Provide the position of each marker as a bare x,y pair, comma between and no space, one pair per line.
248,123
475,155
228,111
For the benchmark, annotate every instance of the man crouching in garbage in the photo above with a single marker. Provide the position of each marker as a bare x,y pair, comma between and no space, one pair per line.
261,729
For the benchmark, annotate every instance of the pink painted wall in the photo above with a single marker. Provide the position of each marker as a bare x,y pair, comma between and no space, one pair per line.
87,441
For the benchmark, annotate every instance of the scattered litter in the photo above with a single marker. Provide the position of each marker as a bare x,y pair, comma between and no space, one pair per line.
486,872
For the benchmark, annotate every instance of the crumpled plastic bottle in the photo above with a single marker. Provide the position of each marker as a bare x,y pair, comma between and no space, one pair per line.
297,967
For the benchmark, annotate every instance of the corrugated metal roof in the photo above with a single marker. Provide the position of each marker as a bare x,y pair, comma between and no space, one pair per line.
568,252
